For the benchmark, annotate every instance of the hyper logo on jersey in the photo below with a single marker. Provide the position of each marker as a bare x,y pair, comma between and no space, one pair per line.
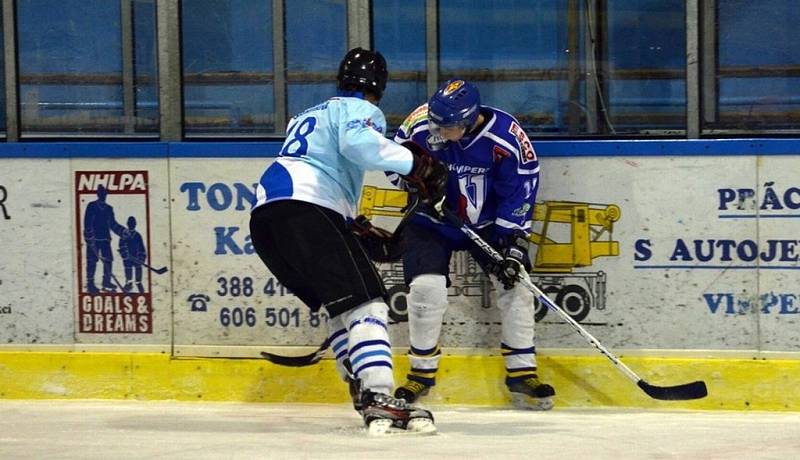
112,213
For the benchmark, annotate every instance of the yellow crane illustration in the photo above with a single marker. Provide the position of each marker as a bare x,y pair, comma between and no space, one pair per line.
568,235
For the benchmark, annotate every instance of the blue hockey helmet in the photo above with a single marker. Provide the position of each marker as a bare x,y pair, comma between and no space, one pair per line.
456,103
362,70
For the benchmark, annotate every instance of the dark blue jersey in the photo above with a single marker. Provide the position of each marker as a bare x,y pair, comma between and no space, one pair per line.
131,247
494,172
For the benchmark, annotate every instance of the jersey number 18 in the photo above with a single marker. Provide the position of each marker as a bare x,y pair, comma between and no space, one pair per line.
297,135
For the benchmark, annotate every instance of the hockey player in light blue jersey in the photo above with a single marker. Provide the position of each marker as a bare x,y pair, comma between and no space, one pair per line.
299,228
492,185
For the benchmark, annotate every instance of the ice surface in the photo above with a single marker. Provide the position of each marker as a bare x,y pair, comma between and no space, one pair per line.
167,430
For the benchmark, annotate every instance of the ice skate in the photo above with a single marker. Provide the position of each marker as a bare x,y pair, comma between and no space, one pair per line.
531,394
354,385
411,391
385,415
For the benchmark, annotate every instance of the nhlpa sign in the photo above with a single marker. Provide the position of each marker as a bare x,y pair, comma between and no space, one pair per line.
112,212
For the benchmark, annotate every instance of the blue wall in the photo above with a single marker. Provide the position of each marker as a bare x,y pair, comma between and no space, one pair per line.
544,148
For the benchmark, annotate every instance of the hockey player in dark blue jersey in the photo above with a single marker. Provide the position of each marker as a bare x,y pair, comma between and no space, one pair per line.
492,185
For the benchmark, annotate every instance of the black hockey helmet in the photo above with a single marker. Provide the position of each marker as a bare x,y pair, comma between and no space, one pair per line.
362,70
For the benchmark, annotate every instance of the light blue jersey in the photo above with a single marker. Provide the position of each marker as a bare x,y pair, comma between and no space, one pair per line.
328,148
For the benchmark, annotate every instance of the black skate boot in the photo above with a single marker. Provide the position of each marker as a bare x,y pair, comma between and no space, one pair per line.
354,385
384,414
411,391
531,394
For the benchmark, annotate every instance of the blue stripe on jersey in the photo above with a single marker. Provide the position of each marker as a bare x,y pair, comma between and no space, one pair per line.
277,182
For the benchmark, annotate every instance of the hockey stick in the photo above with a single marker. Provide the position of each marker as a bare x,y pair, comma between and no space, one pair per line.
157,271
298,361
693,390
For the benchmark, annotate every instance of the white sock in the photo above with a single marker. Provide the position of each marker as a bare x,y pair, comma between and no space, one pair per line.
369,347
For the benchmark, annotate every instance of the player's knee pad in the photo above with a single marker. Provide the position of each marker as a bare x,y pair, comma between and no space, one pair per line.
427,296
518,297
516,314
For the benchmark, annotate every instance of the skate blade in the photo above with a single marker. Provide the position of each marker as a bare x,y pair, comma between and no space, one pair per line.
421,426
415,427
525,402
379,427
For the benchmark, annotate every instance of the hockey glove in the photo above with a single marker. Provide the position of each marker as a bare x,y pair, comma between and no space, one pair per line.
509,270
428,177
381,245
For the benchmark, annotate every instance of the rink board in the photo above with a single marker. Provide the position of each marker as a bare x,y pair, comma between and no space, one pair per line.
707,260
580,380
703,254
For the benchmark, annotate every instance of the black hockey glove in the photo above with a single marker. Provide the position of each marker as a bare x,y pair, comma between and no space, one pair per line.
428,177
514,254
381,245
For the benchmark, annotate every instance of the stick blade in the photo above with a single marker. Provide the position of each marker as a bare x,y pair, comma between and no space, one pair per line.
293,361
685,392
160,271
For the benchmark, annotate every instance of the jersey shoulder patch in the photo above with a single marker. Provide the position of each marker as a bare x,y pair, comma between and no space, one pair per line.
363,114
526,152
418,115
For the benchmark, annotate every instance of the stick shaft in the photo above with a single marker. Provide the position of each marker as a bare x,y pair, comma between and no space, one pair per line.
693,390
544,299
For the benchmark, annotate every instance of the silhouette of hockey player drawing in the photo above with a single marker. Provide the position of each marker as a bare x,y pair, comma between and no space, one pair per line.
133,253
98,223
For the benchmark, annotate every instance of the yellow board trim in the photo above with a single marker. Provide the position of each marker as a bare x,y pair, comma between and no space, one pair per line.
580,381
